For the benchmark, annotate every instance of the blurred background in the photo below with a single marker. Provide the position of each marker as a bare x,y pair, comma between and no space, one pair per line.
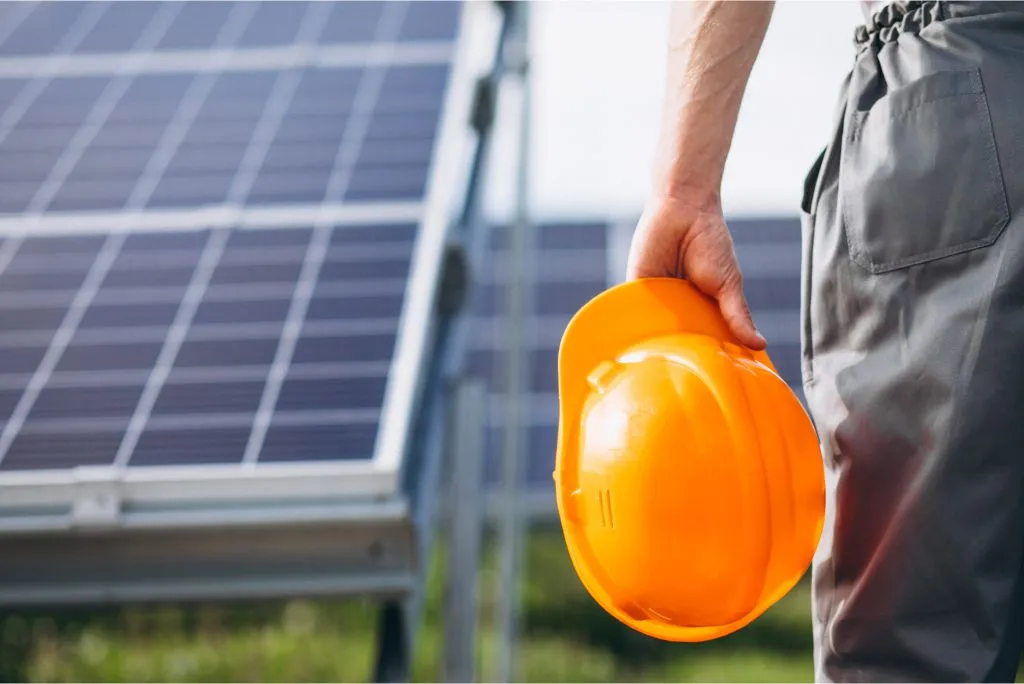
281,289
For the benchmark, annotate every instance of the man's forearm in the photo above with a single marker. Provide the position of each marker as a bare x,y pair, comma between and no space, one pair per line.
712,48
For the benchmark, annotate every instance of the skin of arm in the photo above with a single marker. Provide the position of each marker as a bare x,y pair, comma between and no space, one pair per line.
682,233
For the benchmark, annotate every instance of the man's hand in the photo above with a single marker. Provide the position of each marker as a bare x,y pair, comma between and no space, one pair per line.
712,48
678,239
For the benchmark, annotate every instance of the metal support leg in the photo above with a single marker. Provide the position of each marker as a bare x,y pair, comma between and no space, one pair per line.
465,512
394,655
517,316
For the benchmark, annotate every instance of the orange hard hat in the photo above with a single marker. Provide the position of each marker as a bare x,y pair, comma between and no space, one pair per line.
688,476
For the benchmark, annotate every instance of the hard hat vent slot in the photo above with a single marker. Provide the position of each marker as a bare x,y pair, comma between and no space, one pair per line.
601,376
607,515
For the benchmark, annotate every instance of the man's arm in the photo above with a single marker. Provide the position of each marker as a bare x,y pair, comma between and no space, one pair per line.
712,48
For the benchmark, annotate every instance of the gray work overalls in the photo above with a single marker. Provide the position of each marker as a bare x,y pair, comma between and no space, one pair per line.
913,348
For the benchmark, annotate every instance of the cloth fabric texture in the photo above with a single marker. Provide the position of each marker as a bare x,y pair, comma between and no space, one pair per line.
912,310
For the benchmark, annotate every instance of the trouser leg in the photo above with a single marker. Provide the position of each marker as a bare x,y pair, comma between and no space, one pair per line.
913,311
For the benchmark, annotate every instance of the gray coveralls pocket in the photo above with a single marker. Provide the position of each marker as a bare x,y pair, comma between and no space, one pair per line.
944,191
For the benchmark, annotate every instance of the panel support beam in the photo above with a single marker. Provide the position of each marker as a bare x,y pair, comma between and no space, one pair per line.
464,531
519,288
394,647
97,499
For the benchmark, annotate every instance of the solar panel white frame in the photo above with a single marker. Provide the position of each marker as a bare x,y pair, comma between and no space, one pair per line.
131,497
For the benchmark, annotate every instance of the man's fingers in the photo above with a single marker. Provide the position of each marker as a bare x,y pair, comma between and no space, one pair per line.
736,312
701,251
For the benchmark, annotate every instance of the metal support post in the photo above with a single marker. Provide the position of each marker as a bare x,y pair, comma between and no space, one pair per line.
517,270
465,513
394,654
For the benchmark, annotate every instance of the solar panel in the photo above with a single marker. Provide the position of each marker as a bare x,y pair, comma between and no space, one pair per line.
222,228
576,261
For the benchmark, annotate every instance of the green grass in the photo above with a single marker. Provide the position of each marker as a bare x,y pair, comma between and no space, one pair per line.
565,637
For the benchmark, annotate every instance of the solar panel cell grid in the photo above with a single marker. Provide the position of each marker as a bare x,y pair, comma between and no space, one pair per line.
433,23
41,318
84,402
128,315
118,27
245,311
42,280
229,352
351,21
361,348
374,184
161,241
152,260
308,186
175,446
209,397
171,258
111,355
57,109
333,308
206,160
180,139
322,129
328,442
257,273
361,234
298,161
269,237
8,400
305,155
132,276
56,451
134,135
15,166
85,195
127,163
20,359
298,394
275,23
372,268
42,30
196,26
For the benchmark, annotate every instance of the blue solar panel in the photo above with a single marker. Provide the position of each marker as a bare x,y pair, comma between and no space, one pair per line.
248,352
118,27
43,25
317,442
83,355
46,27
46,450
197,26
135,346
123,336
173,446
218,116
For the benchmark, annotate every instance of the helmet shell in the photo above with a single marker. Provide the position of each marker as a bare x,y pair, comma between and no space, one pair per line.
688,477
